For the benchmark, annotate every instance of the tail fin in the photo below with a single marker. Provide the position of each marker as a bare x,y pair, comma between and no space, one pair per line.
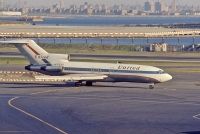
30,50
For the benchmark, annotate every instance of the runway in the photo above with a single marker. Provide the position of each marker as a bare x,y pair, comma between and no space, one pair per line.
29,31
105,108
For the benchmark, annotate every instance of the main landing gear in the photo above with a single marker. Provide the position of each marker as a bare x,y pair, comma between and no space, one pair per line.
88,83
151,86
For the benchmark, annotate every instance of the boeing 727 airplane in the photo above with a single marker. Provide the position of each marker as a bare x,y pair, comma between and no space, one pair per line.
59,67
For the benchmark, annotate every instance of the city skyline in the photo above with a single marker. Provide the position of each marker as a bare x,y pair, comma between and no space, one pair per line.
47,3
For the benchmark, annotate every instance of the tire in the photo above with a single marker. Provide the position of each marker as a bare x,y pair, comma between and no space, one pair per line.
88,83
151,86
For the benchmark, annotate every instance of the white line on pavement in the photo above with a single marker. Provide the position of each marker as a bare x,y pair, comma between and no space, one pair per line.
197,116
10,103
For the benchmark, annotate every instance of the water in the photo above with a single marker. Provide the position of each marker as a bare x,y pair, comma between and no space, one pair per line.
122,41
107,20
116,20
94,21
111,21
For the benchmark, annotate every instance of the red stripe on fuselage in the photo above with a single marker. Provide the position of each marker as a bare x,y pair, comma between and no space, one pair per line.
34,51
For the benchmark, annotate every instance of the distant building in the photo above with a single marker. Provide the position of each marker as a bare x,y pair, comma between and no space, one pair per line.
158,7
89,10
158,47
194,47
173,6
174,48
150,7
197,13
10,13
54,8
147,6
164,7
124,12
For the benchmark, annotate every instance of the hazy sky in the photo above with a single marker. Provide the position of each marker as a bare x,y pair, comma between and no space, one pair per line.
46,3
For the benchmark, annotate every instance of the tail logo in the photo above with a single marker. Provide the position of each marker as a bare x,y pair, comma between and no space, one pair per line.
33,50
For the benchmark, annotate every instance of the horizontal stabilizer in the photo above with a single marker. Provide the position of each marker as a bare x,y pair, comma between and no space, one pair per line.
29,49
16,42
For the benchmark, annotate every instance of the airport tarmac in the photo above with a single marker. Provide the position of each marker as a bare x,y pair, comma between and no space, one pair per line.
83,29
105,108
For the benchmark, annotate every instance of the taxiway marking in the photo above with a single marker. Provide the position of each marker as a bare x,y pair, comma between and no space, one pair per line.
197,116
86,97
10,103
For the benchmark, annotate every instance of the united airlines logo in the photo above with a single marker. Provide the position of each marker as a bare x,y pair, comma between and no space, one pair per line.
121,67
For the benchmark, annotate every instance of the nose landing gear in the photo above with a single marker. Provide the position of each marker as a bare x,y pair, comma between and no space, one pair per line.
151,86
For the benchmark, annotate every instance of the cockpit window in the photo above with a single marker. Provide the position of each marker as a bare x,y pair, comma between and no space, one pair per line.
161,72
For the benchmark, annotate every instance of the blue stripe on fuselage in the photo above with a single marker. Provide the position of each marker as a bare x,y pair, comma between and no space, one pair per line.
109,70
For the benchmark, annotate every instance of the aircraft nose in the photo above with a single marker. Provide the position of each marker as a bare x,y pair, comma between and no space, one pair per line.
166,78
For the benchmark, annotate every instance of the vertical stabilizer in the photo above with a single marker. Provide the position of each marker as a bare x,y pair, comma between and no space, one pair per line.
30,50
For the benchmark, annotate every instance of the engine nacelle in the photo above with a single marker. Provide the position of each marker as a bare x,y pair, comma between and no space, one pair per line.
56,58
33,68
51,69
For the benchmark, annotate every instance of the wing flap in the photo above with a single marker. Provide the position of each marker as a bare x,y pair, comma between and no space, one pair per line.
66,78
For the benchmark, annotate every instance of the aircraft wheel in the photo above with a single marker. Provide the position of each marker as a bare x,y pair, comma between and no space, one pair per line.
88,83
151,86
78,84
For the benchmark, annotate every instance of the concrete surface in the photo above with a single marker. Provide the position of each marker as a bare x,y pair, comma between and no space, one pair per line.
84,29
29,31
106,108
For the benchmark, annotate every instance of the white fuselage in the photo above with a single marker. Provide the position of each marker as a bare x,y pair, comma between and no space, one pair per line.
118,72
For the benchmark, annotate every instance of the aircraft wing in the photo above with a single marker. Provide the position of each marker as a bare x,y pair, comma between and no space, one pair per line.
72,77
